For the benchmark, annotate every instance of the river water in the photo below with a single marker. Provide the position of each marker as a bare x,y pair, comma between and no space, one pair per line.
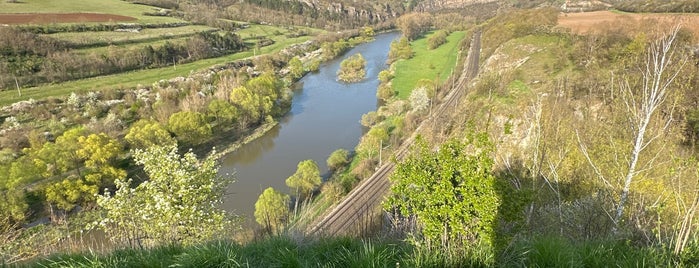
324,116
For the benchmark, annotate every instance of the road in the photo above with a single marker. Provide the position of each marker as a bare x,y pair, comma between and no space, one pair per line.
363,199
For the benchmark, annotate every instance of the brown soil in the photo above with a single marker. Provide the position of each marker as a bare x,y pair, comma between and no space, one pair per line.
44,18
587,22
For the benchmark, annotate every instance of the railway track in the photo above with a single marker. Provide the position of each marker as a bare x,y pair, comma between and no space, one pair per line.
370,192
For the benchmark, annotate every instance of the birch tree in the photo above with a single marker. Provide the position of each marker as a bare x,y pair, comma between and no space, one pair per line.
641,106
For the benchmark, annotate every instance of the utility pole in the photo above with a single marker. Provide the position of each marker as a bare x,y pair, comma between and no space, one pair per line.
17,84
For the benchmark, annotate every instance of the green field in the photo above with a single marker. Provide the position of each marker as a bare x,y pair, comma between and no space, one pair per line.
273,32
155,43
117,7
151,34
131,79
426,64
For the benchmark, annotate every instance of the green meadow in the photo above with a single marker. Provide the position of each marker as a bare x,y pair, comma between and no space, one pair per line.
426,64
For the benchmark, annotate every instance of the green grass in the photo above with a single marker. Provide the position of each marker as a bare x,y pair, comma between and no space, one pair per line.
131,79
273,32
547,56
283,251
93,38
426,64
117,7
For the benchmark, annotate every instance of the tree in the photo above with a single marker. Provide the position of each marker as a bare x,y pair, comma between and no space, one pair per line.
71,192
338,159
641,105
400,49
13,206
146,133
63,154
177,204
414,24
368,32
247,103
272,209
419,99
451,193
223,112
374,139
98,150
190,127
296,68
305,180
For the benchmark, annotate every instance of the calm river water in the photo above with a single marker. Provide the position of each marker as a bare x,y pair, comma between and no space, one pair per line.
324,116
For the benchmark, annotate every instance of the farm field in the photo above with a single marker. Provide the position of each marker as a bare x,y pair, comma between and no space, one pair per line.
134,78
588,21
45,18
129,37
426,64
116,7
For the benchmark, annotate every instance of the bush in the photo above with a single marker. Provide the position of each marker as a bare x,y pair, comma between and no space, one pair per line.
352,69
338,159
400,50
437,39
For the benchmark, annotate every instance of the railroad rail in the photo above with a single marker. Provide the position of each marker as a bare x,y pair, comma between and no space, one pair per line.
370,192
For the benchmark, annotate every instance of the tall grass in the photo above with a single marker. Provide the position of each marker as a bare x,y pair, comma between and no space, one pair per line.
283,251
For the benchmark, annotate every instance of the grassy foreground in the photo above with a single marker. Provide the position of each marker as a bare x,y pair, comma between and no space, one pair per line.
426,64
347,252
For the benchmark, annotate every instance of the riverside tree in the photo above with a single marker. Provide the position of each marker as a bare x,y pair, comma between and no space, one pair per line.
190,127
146,133
338,159
304,181
177,204
272,209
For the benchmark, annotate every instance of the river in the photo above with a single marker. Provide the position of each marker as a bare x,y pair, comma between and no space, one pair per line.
324,116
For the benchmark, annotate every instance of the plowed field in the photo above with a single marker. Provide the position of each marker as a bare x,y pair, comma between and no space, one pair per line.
591,21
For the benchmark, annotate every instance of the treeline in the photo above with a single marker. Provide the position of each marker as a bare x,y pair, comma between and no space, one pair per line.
34,59
64,28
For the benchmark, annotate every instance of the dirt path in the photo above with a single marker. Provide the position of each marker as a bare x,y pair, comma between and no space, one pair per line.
44,18
357,206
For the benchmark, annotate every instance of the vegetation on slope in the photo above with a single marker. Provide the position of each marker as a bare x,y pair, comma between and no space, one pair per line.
566,135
